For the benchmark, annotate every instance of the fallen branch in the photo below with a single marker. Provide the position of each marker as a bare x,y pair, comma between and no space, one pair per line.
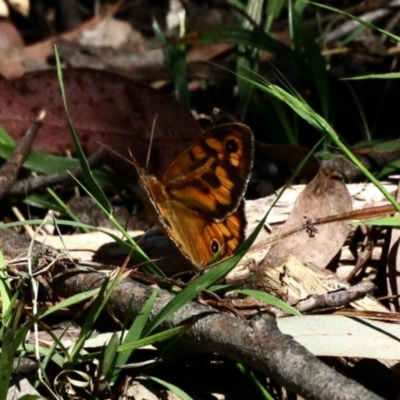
257,343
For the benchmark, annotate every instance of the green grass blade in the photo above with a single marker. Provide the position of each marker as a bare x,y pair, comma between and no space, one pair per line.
156,338
134,333
97,307
318,122
389,75
191,291
107,366
94,188
44,351
388,169
6,139
266,395
249,57
361,21
268,298
6,362
8,349
393,222
39,162
173,388
5,292
40,201
64,208
139,254
129,246
274,8
175,58
291,134
52,355
305,43
244,37
51,164
71,301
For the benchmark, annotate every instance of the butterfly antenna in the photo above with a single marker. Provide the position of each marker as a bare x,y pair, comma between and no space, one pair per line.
117,154
151,142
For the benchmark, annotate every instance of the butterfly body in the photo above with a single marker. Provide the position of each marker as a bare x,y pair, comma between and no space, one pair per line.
199,198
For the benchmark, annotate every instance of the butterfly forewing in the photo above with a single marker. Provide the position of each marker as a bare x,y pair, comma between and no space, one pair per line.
211,176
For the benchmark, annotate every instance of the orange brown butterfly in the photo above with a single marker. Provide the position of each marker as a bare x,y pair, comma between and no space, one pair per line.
199,198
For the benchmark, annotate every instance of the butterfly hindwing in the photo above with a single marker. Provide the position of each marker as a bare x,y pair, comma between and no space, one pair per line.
201,238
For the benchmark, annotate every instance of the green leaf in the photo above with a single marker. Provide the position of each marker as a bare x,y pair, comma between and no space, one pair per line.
107,366
11,340
47,352
268,298
94,188
178,391
156,338
6,139
393,222
249,56
134,333
71,301
40,201
39,162
175,58
274,8
361,21
255,381
96,308
305,43
389,75
6,361
245,37
315,120
5,292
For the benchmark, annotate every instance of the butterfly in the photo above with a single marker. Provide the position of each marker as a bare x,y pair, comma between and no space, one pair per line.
199,199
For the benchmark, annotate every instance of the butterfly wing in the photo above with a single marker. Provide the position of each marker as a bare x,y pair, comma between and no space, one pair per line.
211,176
200,238
199,200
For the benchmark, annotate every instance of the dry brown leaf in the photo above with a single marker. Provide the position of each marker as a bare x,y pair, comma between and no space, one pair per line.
108,33
290,155
12,44
36,55
322,197
104,108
